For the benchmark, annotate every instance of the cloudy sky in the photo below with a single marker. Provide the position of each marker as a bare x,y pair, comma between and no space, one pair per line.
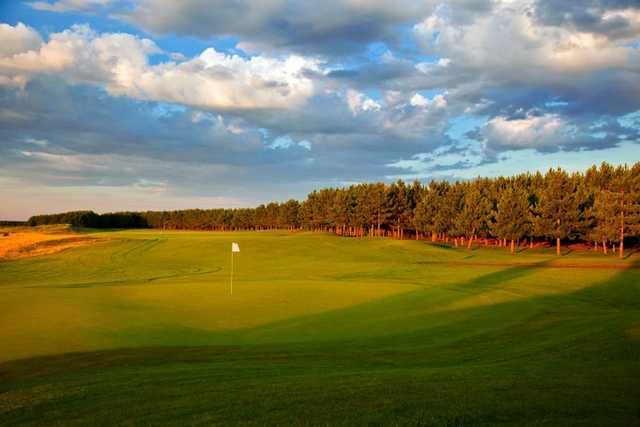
163,104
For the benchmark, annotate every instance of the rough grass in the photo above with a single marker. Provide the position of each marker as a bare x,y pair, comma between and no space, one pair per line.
22,242
320,330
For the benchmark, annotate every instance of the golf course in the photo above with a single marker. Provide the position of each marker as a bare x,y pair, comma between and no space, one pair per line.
140,327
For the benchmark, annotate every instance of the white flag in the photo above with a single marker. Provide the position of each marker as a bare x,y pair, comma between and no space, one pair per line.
235,247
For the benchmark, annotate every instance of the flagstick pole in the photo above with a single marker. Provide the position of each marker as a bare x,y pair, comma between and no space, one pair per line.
231,272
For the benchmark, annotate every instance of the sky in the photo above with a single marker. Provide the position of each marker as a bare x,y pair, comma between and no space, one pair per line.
114,105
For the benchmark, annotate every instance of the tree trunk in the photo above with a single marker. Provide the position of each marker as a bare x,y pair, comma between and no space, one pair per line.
604,247
557,246
531,243
622,226
512,246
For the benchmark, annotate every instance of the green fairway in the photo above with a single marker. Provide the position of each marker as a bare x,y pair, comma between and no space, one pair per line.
141,329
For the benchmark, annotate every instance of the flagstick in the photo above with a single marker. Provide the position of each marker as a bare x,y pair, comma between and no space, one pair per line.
231,272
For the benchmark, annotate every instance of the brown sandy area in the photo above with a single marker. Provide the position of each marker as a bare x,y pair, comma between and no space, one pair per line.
22,243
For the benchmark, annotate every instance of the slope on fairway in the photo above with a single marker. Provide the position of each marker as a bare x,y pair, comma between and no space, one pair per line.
320,330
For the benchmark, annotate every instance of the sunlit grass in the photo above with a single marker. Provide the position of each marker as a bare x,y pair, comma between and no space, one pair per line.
320,330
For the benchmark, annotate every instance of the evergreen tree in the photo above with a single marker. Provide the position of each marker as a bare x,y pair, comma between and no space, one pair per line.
473,218
558,209
426,217
513,220
627,188
602,204
605,212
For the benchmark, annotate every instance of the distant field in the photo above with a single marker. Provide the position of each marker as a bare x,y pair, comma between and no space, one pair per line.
139,327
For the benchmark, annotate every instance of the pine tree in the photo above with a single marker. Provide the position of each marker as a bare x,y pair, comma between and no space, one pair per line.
449,205
398,207
558,209
513,215
473,218
426,212
606,214
627,187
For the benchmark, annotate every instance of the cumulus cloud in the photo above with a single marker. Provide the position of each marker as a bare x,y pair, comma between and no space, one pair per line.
81,55
511,44
198,152
508,50
342,26
528,132
316,103
438,101
516,58
119,62
552,132
89,143
17,39
617,19
220,81
359,102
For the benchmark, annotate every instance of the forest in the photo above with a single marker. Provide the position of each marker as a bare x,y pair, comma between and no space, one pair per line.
600,206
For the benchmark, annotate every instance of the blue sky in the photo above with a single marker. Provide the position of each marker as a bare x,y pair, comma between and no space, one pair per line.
157,104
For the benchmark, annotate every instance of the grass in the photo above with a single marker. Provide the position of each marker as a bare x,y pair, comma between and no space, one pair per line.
140,329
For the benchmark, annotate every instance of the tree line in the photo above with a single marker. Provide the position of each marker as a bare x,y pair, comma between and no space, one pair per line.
600,205
12,223
90,219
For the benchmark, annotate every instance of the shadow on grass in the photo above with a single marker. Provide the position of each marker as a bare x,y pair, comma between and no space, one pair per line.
551,359
86,230
621,292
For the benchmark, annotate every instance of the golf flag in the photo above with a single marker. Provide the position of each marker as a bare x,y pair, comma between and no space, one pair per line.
234,248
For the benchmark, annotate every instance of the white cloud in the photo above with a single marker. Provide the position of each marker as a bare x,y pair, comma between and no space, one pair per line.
530,132
119,62
18,39
68,163
38,142
286,142
69,5
511,45
220,81
80,55
359,102
438,101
